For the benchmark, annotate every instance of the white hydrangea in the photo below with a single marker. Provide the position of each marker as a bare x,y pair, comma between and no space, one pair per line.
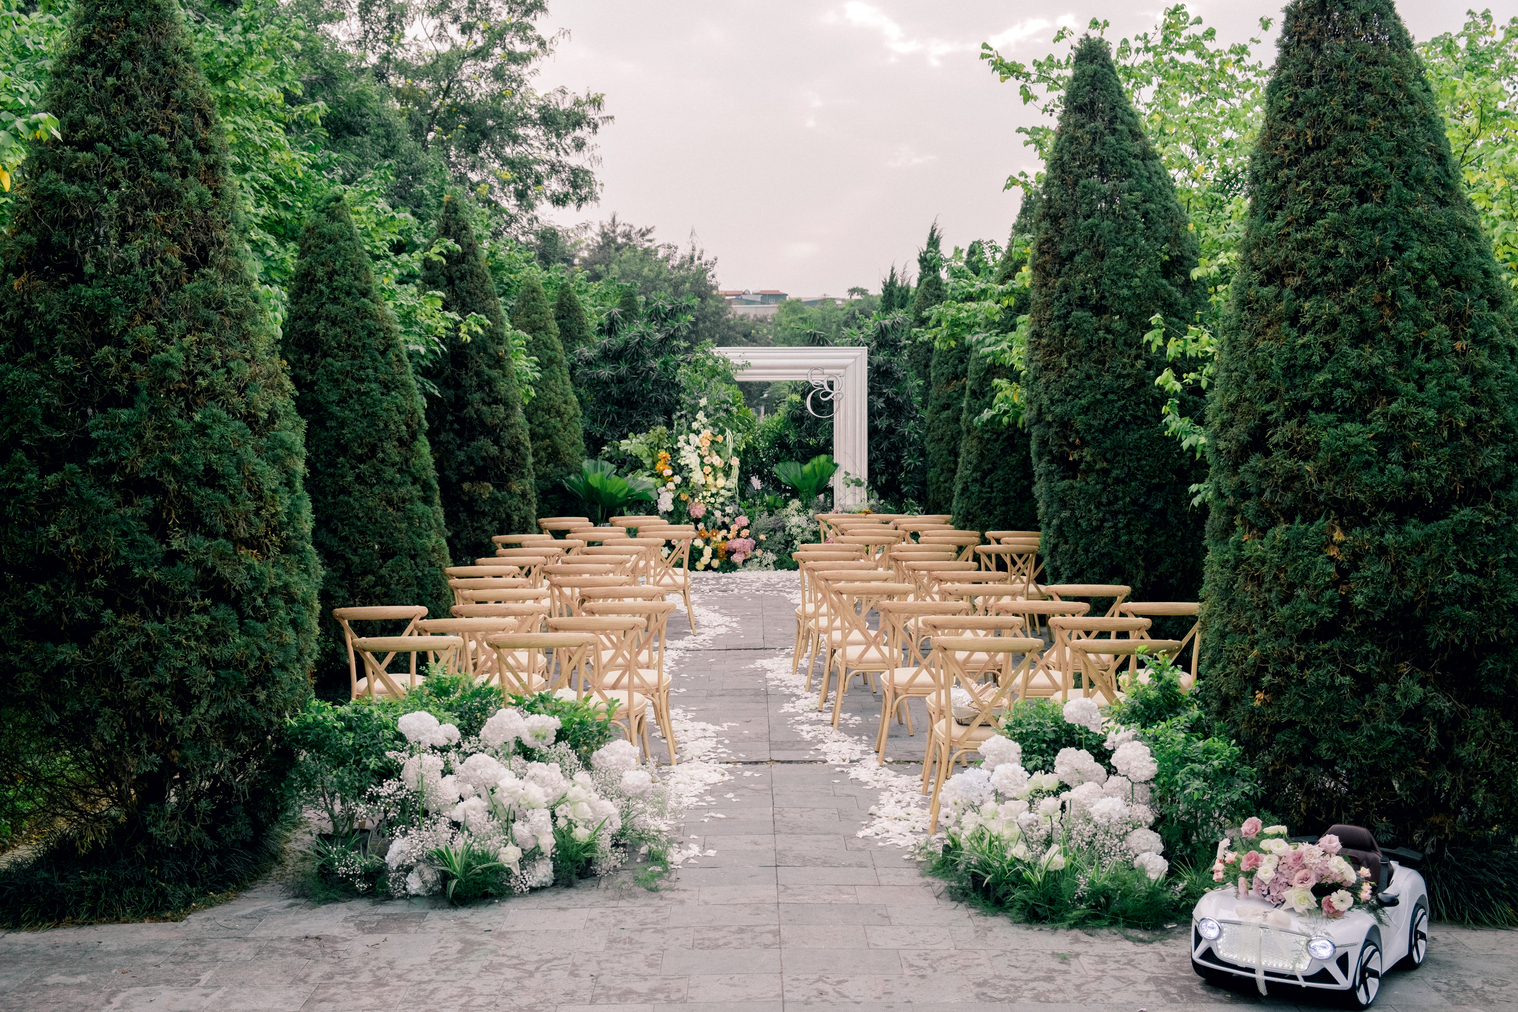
504,727
1010,780
618,755
1076,766
479,772
1152,865
1108,811
1084,713
1119,786
1133,760
973,787
1118,736
1144,841
473,813
998,751
541,729
422,728
637,782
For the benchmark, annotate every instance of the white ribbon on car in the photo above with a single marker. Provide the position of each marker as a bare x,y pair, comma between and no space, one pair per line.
1255,923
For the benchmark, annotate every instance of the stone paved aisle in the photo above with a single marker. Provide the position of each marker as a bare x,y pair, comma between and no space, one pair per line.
788,908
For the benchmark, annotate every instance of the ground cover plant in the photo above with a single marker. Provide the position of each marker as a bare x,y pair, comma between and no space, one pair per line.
160,625
458,791
1070,815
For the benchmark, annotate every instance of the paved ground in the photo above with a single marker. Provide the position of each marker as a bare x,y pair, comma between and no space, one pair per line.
793,911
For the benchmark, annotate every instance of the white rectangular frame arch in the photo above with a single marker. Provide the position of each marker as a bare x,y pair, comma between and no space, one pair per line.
851,418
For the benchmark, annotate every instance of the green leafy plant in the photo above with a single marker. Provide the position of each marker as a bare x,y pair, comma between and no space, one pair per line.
584,725
1040,727
471,873
807,479
604,492
573,857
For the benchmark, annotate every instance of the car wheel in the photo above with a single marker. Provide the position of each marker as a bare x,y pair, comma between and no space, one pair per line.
1366,983
1417,937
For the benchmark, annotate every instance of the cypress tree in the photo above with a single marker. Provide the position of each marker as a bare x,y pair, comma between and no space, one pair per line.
929,293
379,524
1111,250
1362,574
569,316
478,434
553,414
993,485
895,293
946,408
157,580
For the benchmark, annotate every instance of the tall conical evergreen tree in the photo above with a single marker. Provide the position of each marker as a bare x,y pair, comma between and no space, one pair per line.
478,434
1111,250
993,486
569,316
1362,574
157,581
895,293
945,416
553,414
930,292
379,524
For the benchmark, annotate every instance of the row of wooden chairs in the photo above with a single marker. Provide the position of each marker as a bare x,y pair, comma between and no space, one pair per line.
917,610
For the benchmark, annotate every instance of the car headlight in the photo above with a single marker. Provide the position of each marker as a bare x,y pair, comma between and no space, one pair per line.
1321,948
1209,928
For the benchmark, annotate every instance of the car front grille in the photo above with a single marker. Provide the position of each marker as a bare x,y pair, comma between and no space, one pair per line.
1278,950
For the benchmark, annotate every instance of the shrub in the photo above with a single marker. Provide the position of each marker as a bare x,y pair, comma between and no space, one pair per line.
379,525
553,414
1111,250
945,417
478,435
1363,436
159,585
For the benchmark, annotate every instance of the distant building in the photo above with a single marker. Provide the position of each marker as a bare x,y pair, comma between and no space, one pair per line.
747,302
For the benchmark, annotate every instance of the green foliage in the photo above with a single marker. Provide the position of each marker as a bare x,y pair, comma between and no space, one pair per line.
1080,894
26,38
160,625
1467,884
603,492
471,873
807,479
584,725
1357,638
341,754
453,699
946,408
1112,250
379,526
1040,727
553,414
459,75
993,482
930,292
479,437
569,316
896,444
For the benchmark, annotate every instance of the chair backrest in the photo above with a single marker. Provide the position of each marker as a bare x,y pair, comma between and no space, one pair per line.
486,572
561,523
490,583
619,638
1168,609
644,521
982,596
389,613
602,567
995,536
525,539
476,659
565,590
825,546
380,680
631,592
905,622
508,595
964,541
1064,628
520,660
1100,659
655,613
849,605
509,611
1095,591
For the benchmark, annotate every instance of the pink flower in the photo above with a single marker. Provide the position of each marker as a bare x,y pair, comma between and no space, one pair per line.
1330,844
1217,873
697,510
1251,827
1304,878
741,522
1252,860
1329,910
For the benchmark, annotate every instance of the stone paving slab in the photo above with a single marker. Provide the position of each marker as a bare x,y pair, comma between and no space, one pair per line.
794,912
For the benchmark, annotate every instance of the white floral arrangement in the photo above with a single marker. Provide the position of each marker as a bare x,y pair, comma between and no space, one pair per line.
464,806
1102,817
709,464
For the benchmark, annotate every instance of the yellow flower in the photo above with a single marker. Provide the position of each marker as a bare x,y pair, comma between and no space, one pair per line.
707,469
719,439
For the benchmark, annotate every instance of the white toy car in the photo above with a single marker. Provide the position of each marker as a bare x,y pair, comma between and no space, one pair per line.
1234,940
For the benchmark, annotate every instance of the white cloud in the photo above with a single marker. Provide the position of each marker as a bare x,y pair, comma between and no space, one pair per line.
907,156
863,15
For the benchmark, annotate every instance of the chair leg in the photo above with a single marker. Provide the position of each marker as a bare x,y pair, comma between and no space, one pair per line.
840,689
796,650
887,704
667,725
690,612
827,675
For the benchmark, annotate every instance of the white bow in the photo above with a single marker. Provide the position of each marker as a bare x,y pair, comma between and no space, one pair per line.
1254,923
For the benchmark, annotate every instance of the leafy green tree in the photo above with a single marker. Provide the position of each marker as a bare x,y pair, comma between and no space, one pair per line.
1111,251
158,588
1363,541
569,317
379,524
475,425
929,293
460,74
993,485
553,414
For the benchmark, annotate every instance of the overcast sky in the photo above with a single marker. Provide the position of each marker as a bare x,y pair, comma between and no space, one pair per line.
809,144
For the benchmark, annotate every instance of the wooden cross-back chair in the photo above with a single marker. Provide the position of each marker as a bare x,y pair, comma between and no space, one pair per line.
618,678
379,680
823,621
1063,629
951,738
477,659
565,590
855,648
531,662
386,613
670,570
488,583
1100,660
807,626
650,651
507,595
982,596
964,542
524,540
910,679
1093,592
1035,613
479,571
1168,609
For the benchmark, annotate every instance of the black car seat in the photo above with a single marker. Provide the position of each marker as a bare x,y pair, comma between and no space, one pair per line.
1359,848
